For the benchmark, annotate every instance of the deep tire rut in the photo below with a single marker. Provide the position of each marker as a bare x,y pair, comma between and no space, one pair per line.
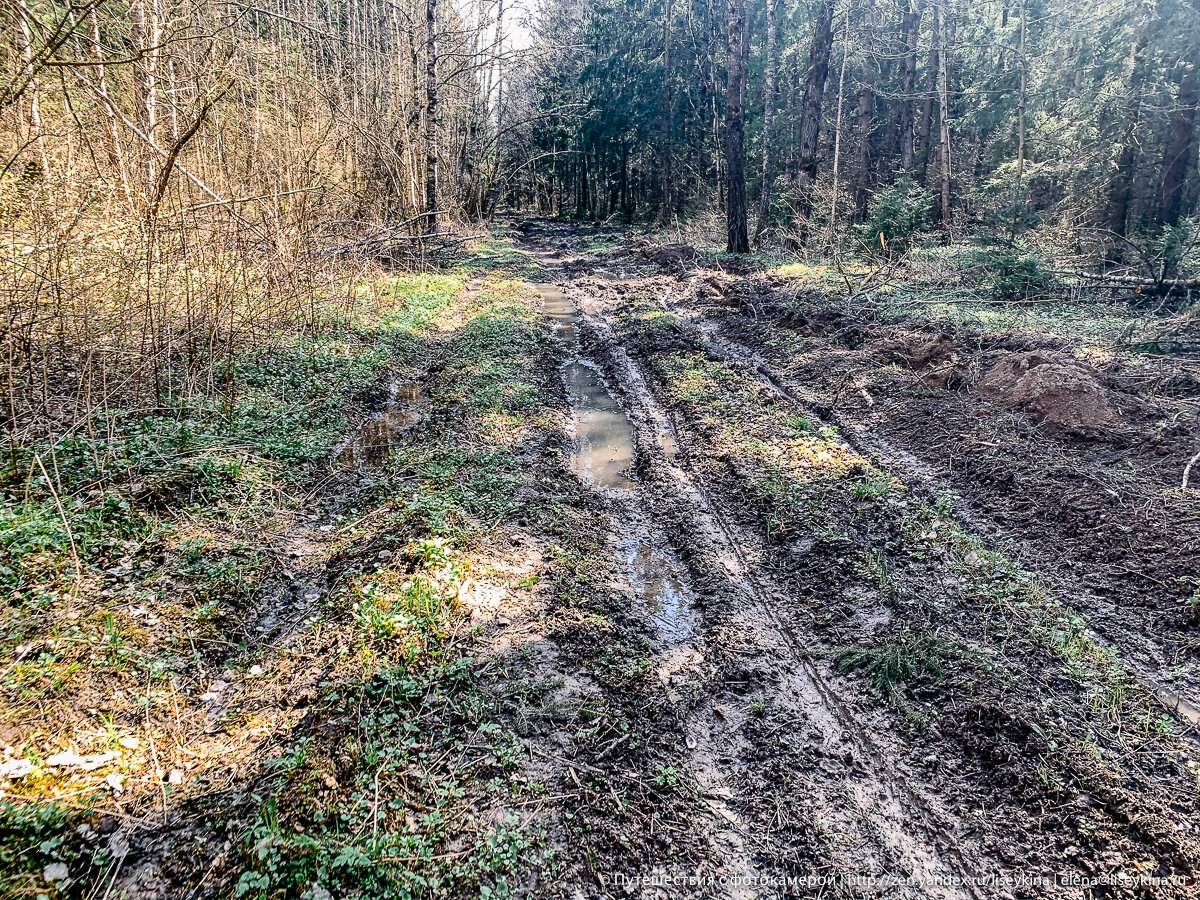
716,342
898,827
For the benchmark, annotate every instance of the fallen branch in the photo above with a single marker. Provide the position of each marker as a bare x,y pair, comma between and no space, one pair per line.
1157,286
1187,470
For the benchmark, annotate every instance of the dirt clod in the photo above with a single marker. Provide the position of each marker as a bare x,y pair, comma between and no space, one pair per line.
1055,389
933,352
672,257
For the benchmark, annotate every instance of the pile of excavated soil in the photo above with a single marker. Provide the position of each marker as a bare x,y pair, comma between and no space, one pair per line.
934,352
672,257
1056,389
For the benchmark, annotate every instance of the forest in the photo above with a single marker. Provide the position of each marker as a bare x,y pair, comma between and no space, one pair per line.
600,448
1065,132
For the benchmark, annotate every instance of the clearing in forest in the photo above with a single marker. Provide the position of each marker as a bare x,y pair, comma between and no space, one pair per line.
594,568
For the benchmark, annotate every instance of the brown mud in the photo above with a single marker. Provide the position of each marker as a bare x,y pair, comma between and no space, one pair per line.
1075,470
369,446
788,600
1024,748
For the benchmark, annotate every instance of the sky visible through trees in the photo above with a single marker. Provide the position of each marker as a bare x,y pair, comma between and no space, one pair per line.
1068,125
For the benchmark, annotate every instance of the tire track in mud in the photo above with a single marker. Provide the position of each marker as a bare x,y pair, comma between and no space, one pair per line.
603,441
1095,793
713,339
890,819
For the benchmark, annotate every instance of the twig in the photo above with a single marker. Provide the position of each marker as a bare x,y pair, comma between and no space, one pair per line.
1187,470
71,537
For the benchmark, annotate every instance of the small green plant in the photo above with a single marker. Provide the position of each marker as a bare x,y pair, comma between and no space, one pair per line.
409,615
435,551
897,215
800,424
1193,602
666,776
874,486
877,565
114,640
909,656
36,840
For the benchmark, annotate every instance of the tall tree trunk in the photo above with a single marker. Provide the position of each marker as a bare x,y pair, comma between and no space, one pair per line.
1021,99
31,115
146,35
1121,186
718,153
912,30
926,126
769,100
865,122
837,126
431,114
1178,198
626,206
810,123
735,125
943,113
667,112
113,134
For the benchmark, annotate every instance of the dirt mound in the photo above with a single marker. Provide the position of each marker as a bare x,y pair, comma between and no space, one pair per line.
672,257
933,352
734,265
1057,390
716,288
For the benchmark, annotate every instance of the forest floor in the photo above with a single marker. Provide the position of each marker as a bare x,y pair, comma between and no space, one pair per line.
645,572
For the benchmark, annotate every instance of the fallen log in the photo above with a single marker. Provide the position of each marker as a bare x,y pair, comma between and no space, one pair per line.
1140,284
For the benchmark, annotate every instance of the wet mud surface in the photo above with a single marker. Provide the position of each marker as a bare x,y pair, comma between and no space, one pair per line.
867,665
369,446
776,599
1094,509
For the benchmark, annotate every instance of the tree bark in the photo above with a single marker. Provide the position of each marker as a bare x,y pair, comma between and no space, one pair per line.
1121,186
1177,199
431,112
31,116
810,123
735,125
667,114
926,127
837,125
865,121
1021,100
116,159
912,31
770,92
145,34
943,114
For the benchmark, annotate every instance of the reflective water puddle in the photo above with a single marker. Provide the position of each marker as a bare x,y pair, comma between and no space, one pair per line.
658,585
602,456
371,444
602,452
561,313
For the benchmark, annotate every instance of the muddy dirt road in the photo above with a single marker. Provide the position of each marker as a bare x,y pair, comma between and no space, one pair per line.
640,572
864,684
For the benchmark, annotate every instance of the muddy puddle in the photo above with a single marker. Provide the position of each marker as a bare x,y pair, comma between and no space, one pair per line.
656,580
602,456
369,447
561,314
602,449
